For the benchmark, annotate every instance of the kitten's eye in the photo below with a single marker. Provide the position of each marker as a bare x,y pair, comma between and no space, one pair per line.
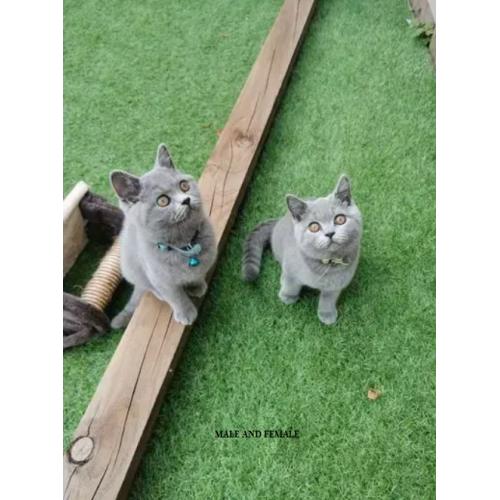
340,219
314,227
184,185
163,200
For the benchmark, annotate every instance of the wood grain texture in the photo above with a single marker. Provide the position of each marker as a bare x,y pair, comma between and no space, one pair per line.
432,48
74,235
119,418
425,12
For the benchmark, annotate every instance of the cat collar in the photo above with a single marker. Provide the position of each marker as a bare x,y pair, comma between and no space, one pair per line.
191,250
334,261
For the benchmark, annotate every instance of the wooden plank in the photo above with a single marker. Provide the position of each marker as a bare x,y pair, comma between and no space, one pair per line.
75,238
425,12
112,434
432,48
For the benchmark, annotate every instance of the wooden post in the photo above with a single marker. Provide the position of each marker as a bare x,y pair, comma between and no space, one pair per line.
110,439
75,238
425,12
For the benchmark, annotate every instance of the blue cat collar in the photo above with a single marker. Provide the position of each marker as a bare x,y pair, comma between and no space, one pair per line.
191,251
163,247
335,261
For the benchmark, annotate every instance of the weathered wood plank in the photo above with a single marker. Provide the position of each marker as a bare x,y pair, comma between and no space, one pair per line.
74,236
425,12
111,436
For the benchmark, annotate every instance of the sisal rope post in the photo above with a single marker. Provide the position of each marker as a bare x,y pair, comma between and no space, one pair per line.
99,290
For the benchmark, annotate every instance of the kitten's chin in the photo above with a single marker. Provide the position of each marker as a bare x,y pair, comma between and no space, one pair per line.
327,247
190,218
181,214
184,213
327,251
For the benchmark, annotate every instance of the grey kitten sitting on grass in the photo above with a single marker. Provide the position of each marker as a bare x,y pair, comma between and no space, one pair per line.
317,244
167,242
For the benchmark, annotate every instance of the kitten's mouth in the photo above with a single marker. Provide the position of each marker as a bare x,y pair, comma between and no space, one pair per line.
181,213
328,245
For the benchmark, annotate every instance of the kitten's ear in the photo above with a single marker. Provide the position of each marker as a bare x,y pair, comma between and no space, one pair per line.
163,158
127,186
296,206
343,190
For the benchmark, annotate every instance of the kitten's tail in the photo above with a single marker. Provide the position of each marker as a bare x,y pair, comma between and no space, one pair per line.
255,243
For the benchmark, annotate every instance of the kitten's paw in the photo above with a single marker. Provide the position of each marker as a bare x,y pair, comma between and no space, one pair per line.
287,299
197,290
186,316
327,317
121,320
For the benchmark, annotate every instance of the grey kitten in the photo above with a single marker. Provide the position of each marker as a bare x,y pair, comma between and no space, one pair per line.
167,242
317,244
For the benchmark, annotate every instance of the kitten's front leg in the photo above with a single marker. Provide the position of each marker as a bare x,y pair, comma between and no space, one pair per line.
290,288
122,319
184,310
327,309
197,289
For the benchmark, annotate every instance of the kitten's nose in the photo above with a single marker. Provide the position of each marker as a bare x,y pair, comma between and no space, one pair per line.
329,235
186,201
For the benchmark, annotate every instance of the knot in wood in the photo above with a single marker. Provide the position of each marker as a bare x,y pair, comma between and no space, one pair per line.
81,450
242,139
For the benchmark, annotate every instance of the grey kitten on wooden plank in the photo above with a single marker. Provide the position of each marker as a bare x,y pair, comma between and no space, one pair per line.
167,242
317,244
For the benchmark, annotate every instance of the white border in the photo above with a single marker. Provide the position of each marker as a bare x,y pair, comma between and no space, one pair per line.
468,251
31,248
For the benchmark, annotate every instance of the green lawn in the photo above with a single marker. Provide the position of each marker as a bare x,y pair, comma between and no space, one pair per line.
361,100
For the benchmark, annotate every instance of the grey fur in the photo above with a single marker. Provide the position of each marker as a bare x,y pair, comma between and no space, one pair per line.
257,240
165,273
302,253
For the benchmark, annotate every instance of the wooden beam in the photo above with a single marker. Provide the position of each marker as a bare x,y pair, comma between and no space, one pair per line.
74,236
110,439
425,12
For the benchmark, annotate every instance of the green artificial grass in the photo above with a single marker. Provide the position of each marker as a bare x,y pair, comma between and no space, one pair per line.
361,100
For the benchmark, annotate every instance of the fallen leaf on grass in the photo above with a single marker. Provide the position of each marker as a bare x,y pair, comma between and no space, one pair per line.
374,394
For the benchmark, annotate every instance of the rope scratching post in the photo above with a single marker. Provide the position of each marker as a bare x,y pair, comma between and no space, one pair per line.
84,316
103,284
